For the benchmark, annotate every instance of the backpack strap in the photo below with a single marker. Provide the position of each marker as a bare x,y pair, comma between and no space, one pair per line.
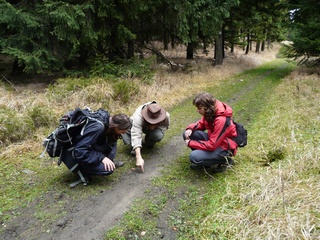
88,118
224,132
227,124
45,143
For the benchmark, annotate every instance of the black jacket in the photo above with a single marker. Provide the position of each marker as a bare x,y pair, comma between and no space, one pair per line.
93,145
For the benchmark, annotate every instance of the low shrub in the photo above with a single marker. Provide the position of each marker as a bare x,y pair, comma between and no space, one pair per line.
131,69
42,116
14,127
124,90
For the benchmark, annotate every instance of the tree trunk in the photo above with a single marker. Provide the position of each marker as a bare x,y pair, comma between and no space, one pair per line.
172,41
130,53
248,44
165,37
257,46
222,43
190,50
205,46
16,69
232,37
263,45
218,52
232,48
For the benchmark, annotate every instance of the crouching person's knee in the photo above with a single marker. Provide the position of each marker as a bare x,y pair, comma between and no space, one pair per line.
70,162
95,170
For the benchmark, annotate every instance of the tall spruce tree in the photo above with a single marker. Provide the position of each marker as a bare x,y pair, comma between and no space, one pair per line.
256,21
43,35
198,20
304,31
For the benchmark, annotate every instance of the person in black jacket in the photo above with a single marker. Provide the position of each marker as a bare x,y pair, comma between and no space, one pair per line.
94,151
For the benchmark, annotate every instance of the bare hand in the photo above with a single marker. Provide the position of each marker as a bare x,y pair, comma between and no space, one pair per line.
140,163
187,142
108,164
188,133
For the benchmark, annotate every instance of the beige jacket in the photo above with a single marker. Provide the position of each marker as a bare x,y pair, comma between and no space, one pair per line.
137,126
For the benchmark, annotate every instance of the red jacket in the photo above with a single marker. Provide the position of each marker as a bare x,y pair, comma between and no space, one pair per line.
215,129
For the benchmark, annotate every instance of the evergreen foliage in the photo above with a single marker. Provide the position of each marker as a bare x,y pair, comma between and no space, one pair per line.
304,31
50,35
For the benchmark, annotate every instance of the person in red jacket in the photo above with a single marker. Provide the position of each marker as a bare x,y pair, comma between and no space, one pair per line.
210,137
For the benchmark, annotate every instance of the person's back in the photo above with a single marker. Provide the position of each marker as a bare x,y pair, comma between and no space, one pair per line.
94,150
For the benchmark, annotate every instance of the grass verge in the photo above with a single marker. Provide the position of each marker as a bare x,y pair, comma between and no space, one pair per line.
266,195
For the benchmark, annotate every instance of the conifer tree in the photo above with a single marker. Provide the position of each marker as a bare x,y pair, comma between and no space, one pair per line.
304,31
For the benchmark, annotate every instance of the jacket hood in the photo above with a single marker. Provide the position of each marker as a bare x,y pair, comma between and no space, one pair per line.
223,109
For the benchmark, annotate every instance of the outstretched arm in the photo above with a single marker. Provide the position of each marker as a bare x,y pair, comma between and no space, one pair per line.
139,159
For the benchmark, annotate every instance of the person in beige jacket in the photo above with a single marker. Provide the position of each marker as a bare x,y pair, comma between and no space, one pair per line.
150,119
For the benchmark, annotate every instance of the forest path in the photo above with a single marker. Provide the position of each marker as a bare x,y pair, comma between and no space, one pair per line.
92,217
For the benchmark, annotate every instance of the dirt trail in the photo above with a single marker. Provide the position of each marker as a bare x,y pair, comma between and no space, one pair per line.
90,218
91,223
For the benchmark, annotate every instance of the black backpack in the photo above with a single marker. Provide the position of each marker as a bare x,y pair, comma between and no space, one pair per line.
242,133
242,137
72,124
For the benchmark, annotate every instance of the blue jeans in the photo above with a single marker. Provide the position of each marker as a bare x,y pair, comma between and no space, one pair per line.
206,158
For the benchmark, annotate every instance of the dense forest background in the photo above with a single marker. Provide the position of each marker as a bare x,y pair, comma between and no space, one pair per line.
102,54
49,36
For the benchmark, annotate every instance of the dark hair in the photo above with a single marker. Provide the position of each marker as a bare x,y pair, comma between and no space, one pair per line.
206,100
120,121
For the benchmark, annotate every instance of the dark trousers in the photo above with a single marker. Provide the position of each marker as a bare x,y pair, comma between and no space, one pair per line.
86,169
152,137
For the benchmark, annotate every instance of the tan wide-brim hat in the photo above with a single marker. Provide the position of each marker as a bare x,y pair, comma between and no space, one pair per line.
153,113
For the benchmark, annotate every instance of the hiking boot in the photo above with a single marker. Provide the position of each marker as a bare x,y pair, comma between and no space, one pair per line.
195,166
118,164
88,178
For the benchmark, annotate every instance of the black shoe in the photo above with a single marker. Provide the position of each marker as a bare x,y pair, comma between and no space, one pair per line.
223,167
219,168
194,166
230,161
118,164
88,178
132,152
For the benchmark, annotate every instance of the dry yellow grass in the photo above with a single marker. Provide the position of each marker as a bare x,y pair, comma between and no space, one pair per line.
167,88
171,88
